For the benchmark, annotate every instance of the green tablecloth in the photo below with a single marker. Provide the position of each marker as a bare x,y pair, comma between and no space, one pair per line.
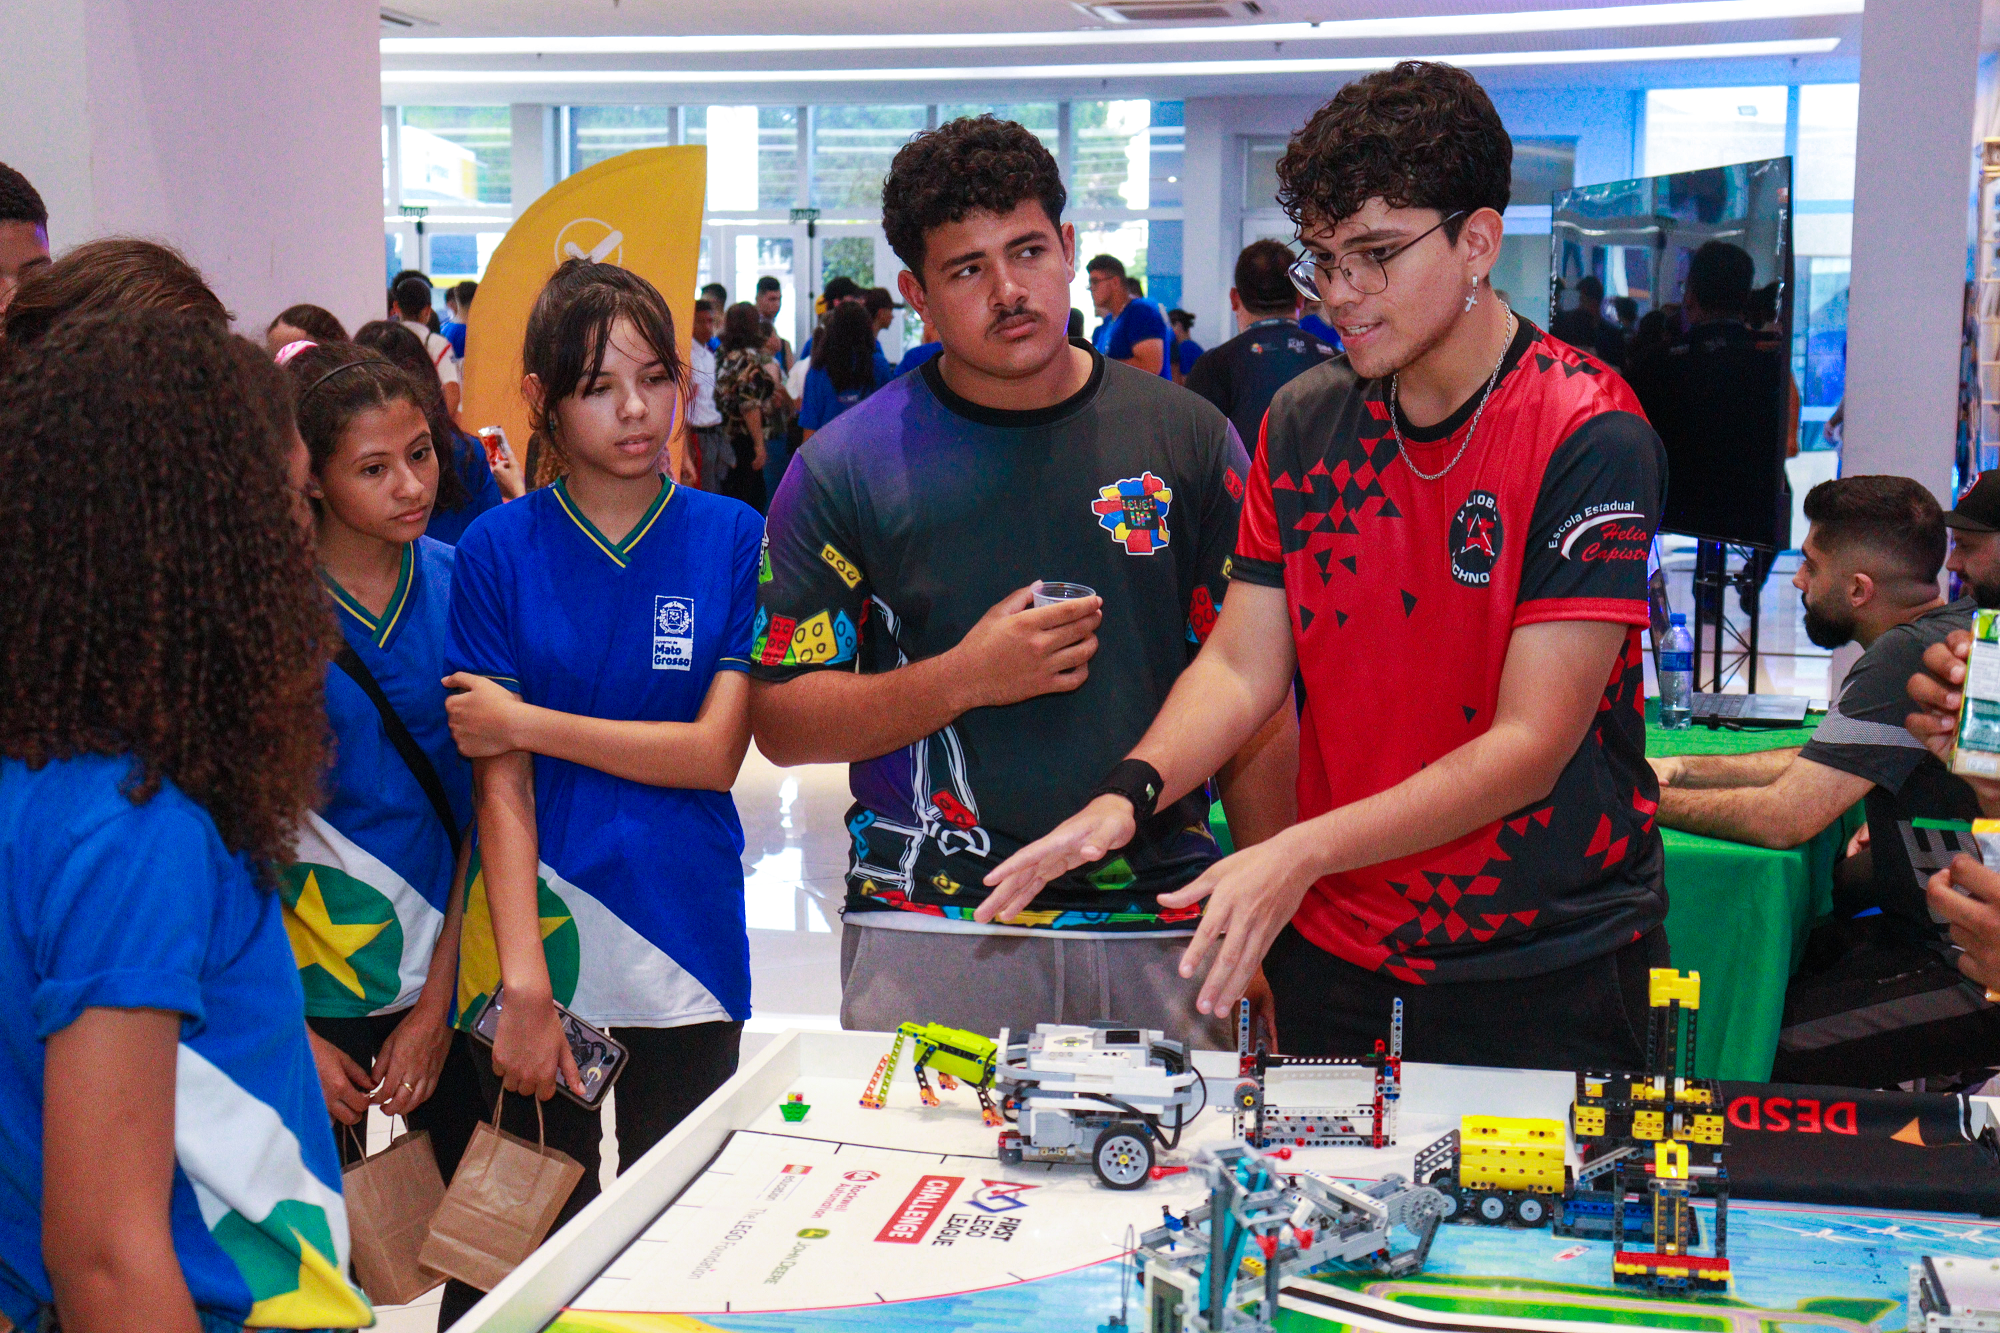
1738,915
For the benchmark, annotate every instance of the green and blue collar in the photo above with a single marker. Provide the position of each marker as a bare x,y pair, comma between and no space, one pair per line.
619,551
381,631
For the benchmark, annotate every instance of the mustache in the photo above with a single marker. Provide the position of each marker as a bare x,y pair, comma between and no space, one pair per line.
1019,310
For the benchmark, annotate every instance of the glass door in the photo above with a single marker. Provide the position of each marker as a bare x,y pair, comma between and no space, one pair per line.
859,250
741,253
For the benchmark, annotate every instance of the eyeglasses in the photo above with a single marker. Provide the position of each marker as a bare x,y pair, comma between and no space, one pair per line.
1364,273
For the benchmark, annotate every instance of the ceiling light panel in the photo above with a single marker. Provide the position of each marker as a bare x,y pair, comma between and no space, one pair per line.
1672,14
1128,69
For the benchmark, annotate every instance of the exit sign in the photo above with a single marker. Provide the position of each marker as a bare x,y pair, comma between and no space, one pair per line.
805,215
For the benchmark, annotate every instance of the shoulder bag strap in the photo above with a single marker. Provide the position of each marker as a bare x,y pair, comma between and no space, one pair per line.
399,736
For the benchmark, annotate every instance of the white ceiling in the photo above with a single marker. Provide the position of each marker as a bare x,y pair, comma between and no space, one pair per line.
1012,50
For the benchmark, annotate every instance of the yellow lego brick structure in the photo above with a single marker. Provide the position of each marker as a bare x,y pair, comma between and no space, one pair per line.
1511,1153
1666,986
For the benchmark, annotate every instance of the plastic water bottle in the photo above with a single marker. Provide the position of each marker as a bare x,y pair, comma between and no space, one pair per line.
1677,676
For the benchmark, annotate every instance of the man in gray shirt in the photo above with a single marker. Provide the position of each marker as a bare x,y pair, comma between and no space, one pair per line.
1877,1002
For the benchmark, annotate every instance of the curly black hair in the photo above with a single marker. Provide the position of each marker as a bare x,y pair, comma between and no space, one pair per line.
19,200
164,604
972,164
1421,135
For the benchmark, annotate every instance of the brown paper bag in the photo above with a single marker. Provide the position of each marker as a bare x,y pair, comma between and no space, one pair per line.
391,1198
502,1202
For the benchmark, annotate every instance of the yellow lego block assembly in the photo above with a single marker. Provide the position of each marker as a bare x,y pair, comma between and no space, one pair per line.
1649,1125
1668,986
1589,1121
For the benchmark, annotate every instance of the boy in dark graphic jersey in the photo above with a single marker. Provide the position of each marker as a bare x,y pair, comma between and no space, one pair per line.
1445,531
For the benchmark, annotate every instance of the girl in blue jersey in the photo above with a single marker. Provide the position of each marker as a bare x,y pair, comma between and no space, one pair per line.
467,486
369,895
165,1159
600,632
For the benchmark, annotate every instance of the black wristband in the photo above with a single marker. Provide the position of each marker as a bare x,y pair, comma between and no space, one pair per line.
1138,782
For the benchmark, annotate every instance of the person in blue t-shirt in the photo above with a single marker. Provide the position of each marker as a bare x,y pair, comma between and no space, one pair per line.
599,636
922,352
165,1158
469,487
1186,350
1135,331
844,370
457,306
371,897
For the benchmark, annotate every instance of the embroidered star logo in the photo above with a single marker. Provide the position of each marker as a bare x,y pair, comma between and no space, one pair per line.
318,939
1479,535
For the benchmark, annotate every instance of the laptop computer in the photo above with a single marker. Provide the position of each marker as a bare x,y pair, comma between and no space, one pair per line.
1751,710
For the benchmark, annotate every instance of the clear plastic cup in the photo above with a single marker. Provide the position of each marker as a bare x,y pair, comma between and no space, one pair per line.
1048,594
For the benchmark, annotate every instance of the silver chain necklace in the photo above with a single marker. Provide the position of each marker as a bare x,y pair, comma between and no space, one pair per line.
1477,412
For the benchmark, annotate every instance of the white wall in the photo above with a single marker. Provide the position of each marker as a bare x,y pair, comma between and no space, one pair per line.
247,135
1602,120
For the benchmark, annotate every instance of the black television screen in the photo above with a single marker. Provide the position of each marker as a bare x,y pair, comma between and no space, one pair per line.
1682,283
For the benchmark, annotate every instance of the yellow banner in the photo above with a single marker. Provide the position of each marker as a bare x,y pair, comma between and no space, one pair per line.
640,210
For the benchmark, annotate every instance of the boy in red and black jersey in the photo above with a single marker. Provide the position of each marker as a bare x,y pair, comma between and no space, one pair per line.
1445,531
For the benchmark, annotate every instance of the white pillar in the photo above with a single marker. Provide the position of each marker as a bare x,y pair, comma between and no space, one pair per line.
246,135
534,150
1912,192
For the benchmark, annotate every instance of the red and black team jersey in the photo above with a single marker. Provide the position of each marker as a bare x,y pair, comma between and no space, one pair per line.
1404,594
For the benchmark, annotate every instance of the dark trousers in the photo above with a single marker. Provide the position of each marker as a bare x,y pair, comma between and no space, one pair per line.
1872,1010
1590,1015
671,1071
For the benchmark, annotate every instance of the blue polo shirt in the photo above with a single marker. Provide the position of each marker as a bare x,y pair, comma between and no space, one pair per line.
107,904
641,894
365,898
1138,322
482,493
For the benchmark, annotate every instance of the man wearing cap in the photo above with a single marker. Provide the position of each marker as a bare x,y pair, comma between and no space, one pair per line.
1877,1001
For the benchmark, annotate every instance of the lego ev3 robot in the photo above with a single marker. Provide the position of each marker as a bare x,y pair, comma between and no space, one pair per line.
1097,1092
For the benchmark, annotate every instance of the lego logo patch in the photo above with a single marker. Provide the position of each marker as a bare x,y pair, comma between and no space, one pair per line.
841,565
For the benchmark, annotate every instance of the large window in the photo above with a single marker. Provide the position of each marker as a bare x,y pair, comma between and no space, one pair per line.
1111,161
457,154
852,147
753,155
1041,117
1691,128
600,132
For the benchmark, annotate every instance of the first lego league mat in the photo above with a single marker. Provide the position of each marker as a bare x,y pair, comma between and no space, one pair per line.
902,1219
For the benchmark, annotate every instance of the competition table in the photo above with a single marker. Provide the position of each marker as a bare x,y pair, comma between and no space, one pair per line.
901,1219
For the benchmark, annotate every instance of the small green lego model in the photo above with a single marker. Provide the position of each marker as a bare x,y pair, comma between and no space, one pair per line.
793,1108
953,1053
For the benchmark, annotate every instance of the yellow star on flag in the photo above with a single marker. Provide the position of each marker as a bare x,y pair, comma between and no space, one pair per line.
552,924
317,938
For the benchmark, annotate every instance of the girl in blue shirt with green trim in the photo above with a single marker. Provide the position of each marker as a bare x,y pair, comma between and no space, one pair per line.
600,635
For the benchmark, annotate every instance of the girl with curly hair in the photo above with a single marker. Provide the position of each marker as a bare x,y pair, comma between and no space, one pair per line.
162,1139
370,893
600,629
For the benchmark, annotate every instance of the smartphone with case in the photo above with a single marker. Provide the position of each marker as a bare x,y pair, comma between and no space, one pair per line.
600,1057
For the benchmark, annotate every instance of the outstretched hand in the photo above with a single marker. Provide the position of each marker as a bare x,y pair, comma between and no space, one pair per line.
1091,834
1251,896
